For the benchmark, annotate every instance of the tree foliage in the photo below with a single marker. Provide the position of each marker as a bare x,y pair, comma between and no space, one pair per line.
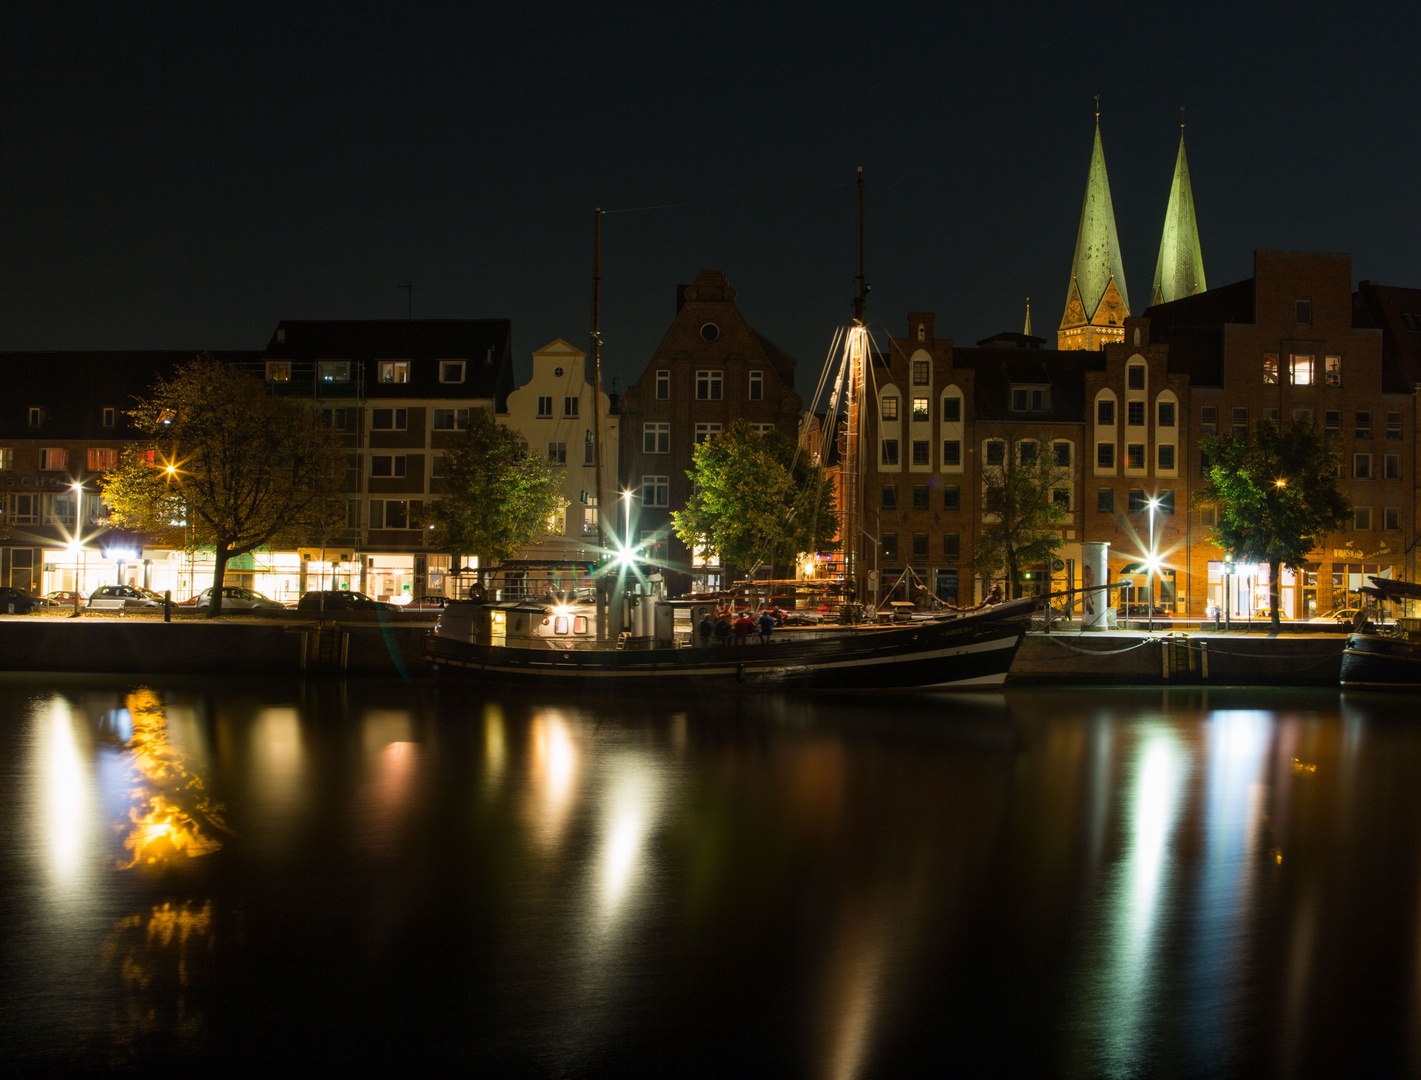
754,498
225,464
1275,495
1021,517
499,496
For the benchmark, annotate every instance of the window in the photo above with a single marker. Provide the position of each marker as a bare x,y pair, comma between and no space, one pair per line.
451,371
922,455
352,514
1204,461
1105,412
708,385
920,496
1391,467
1061,497
1138,503
889,407
52,459
1332,419
996,452
1364,424
1166,457
451,419
589,517
387,419
1332,371
59,509
1019,399
589,449
387,465
706,431
1166,502
1026,452
1166,414
1300,369
1391,518
333,371
952,498
1208,517
1208,419
1361,466
951,546
952,452
24,509
889,500
762,429
952,410
1063,454
397,513
663,386
1105,501
545,406
557,453
656,491
920,545
1134,414
7,459
101,460
1304,311
889,453
1393,425
394,371
656,438
1038,401
109,417
1270,368
890,545
570,406
1135,456
1136,377
1362,518
1302,416
36,417
920,373
757,385
1240,418
436,465
1271,415
920,408
1105,455
278,371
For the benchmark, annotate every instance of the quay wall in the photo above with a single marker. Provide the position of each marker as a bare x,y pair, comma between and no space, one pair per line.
1232,659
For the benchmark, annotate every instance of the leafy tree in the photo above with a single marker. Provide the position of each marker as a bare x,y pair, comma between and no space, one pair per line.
499,496
755,498
1275,494
1022,516
226,464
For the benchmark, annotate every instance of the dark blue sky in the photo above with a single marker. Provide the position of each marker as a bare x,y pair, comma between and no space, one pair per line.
186,179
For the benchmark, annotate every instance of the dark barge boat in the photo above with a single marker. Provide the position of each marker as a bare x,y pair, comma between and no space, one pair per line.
1385,659
543,642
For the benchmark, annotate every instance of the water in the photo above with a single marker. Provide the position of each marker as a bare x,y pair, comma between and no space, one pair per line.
1081,882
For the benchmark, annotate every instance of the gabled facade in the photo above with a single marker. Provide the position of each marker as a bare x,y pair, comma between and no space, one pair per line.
1096,300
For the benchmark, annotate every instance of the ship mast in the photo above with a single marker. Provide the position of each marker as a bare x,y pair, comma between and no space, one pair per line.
852,464
597,371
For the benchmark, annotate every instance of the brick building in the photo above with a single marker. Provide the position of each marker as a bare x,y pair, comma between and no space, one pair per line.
710,369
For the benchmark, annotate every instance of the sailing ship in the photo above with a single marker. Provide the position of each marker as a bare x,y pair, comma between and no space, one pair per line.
1390,659
585,638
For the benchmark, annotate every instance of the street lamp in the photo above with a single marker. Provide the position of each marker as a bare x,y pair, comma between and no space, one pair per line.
78,543
1150,564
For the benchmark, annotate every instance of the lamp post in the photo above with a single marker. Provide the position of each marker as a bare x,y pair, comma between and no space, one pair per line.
78,540
1150,566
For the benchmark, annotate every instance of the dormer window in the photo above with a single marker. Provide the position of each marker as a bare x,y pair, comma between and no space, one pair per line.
1030,399
36,416
394,371
452,371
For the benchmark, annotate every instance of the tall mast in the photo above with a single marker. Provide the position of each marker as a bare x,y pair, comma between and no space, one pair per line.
858,350
597,372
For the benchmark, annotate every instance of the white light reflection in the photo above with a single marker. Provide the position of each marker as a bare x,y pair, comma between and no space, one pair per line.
66,796
552,767
278,762
628,810
495,744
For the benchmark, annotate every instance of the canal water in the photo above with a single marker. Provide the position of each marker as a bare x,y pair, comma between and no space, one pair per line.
1076,882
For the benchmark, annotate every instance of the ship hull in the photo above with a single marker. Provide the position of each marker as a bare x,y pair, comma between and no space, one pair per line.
1371,662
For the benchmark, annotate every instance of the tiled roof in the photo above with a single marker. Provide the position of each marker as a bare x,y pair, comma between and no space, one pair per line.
998,370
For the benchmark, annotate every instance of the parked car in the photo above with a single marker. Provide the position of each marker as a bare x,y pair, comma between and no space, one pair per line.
63,598
338,601
236,598
1338,615
427,603
124,598
15,602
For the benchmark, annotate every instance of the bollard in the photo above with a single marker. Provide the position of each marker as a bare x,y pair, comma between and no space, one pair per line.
167,605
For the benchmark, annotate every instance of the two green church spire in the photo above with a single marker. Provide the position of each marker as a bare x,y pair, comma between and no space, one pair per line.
1180,269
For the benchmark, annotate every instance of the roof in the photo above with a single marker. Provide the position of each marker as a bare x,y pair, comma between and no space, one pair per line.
998,370
711,300
1193,328
1396,312
1097,259
74,388
1179,270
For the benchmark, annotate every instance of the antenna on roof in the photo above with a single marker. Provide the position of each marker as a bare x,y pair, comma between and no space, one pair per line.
408,286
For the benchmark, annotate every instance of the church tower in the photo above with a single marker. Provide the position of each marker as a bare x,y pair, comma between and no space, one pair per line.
1180,269
1096,302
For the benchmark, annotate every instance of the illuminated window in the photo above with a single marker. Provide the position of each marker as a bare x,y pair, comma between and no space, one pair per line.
7,457
1332,371
332,371
52,459
394,371
101,460
278,371
1270,368
920,408
1300,369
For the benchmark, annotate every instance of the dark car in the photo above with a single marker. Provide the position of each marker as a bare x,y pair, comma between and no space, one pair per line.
124,598
342,601
15,602
427,603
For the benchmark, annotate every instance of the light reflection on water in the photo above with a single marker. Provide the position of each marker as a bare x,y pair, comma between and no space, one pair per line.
1088,883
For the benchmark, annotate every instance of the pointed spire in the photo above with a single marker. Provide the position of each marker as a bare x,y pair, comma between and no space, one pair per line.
1180,269
1027,331
1091,301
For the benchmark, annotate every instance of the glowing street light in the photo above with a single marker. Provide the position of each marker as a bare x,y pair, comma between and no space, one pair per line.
1280,483
1152,563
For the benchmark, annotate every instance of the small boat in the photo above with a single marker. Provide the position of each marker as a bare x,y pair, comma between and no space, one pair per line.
1385,659
522,642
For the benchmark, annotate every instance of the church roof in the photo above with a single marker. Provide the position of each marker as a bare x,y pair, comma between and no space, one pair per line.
1180,269
1097,259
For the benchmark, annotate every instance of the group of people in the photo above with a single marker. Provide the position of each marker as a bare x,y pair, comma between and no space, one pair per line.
727,626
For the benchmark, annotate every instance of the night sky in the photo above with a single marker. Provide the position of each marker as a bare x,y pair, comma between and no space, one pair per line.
185,175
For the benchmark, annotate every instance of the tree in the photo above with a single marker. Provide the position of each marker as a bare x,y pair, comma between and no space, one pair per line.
1022,513
499,496
756,498
228,465
1274,492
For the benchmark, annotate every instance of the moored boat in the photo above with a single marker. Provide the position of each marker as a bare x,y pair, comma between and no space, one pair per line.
1385,659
